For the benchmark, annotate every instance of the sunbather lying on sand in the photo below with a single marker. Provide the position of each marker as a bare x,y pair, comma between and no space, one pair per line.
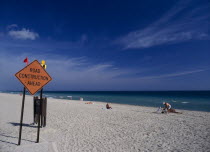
174,111
88,103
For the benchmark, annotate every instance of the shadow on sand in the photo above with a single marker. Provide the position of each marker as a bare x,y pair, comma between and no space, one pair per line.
7,136
8,142
24,125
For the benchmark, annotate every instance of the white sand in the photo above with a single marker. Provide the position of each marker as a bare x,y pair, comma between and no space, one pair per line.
76,126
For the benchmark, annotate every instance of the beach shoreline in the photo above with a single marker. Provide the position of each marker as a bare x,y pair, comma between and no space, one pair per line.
152,105
73,125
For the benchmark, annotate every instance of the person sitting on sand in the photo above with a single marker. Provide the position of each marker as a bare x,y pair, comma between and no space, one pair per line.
167,106
108,106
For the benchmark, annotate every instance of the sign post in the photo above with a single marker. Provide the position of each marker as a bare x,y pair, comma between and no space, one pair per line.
33,77
40,113
21,117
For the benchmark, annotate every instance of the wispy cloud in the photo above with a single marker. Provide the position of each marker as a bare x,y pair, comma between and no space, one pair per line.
23,34
80,73
12,26
181,23
68,73
177,74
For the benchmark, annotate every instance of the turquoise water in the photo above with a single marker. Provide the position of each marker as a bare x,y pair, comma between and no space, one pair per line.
188,100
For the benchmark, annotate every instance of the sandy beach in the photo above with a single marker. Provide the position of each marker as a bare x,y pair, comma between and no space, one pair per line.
73,126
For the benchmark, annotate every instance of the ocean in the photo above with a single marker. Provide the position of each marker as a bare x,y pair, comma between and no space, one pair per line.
187,100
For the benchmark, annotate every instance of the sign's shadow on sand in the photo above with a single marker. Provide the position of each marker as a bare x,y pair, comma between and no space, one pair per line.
24,125
7,136
8,142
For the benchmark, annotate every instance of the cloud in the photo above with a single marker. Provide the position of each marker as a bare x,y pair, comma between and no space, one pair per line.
174,74
68,73
80,73
24,34
12,26
179,24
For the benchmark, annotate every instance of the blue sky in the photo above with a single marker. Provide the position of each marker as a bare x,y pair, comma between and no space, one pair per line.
108,45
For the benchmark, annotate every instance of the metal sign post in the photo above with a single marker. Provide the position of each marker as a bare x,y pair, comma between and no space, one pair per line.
21,117
40,113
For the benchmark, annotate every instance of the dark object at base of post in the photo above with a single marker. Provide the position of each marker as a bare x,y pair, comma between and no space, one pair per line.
43,109
36,109
21,117
44,112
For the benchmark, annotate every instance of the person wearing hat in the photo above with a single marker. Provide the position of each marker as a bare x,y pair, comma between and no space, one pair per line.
167,106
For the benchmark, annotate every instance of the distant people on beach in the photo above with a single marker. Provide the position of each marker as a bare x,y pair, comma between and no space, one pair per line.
88,103
108,106
167,108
